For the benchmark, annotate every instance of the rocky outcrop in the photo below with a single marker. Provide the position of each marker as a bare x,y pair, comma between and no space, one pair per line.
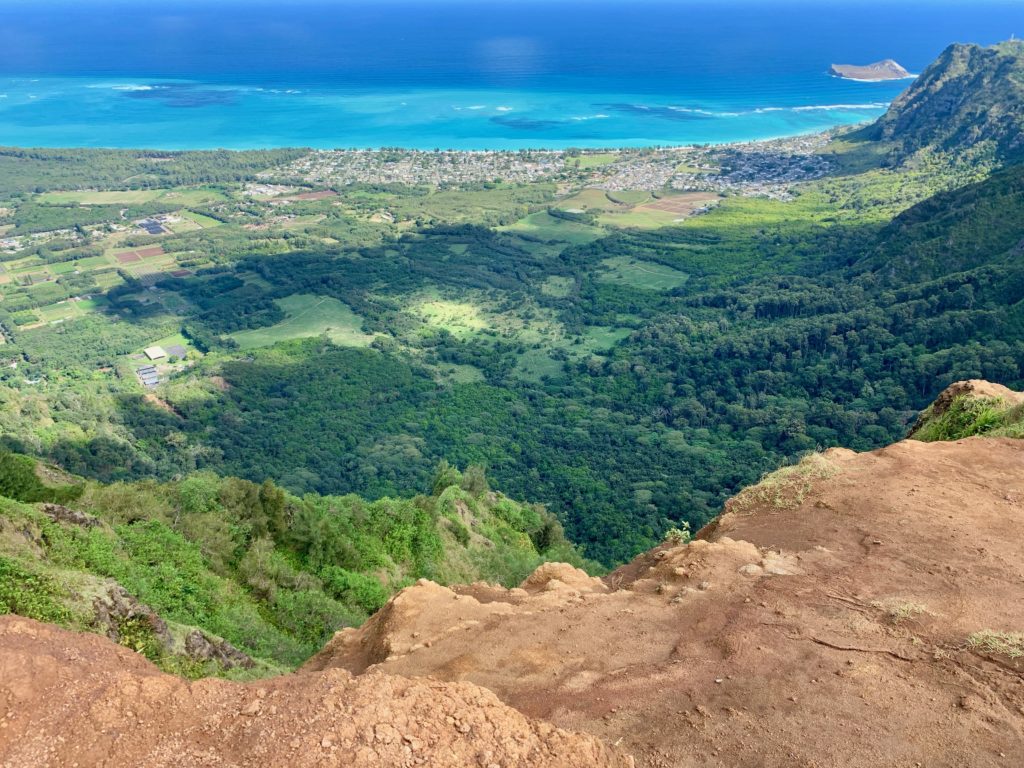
201,647
975,389
119,612
61,514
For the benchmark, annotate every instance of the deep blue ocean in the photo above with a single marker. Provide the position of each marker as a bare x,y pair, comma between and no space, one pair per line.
463,74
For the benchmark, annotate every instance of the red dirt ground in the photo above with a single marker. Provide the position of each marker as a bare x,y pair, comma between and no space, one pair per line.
824,620
70,700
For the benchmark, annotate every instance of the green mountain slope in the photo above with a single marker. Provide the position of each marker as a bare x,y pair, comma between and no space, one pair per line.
174,570
970,99
978,225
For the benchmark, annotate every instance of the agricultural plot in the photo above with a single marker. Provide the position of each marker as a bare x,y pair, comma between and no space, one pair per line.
547,227
645,275
91,197
68,310
130,257
203,221
662,212
308,315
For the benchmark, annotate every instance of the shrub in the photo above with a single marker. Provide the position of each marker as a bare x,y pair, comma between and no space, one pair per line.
19,480
310,616
29,594
354,589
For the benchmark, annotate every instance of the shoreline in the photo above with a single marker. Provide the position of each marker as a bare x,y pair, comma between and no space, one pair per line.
594,149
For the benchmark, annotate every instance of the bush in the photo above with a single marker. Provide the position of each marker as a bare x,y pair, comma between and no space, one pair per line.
356,590
310,616
28,594
18,480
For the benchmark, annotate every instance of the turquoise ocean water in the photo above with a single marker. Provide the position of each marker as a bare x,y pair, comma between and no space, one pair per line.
455,73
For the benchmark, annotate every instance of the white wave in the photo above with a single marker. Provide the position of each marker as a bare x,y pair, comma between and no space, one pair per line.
123,86
706,112
833,107
504,109
766,110
910,76
590,117
477,106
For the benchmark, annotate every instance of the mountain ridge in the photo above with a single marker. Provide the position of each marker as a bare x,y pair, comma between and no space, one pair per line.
969,99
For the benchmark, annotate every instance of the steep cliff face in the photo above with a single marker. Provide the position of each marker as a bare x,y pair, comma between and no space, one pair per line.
969,97
851,610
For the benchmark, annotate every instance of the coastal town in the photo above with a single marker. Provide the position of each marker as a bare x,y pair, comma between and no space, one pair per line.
760,168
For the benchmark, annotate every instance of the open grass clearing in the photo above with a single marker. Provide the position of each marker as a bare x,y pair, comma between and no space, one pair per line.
308,315
92,197
547,359
204,221
629,196
645,275
460,318
460,374
592,160
590,199
557,286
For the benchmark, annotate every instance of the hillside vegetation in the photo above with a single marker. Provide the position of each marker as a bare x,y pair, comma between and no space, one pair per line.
972,408
272,574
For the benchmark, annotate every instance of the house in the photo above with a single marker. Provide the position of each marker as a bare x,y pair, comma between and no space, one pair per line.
155,353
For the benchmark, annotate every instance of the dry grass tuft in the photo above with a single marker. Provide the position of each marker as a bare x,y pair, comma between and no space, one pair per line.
900,610
785,488
1009,644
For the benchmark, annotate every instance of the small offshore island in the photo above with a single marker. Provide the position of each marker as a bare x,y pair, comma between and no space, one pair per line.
880,70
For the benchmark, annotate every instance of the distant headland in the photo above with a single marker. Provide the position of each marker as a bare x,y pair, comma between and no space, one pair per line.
880,70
